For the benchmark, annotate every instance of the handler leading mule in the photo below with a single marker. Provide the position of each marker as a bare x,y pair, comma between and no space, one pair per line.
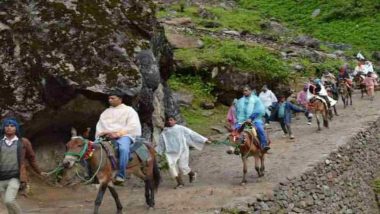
79,149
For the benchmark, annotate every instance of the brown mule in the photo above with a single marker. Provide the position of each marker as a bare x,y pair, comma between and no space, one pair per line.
249,147
358,79
319,108
77,148
345,92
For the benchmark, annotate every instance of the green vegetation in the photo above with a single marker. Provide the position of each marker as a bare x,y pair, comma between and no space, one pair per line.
355,22
352,22
196,117
242,56
237,19
377,186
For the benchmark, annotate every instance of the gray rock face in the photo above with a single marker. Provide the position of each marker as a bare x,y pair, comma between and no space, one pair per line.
54,51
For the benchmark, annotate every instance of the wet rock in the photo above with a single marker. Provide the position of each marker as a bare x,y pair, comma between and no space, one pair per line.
316,13
69,54
207,105
274,27
306,41
182,21
181,41
231,32
183,98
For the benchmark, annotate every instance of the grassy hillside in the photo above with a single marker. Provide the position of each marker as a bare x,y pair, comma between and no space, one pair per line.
354,22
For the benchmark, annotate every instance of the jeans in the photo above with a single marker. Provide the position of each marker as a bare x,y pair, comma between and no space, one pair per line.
261,133
9,189
123,143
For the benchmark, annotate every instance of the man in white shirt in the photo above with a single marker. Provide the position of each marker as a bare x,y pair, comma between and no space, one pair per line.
121,123
174,144
267,97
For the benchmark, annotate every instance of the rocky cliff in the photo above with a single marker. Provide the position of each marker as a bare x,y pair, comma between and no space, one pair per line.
59,59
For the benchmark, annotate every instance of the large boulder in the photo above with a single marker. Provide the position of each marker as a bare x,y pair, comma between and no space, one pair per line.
59,59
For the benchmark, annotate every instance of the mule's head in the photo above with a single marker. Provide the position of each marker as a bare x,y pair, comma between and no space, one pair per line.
234,136
75,150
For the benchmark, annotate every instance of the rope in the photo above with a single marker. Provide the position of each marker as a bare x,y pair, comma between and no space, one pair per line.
97,170
57,169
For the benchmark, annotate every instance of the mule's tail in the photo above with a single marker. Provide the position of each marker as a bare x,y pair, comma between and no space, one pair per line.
156,175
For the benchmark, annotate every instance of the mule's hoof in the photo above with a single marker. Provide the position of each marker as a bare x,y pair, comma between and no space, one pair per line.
243,183
119,212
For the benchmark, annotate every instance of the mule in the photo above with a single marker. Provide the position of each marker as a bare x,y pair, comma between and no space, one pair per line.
333,93
78,149
358,79
250,146
345,92
319,108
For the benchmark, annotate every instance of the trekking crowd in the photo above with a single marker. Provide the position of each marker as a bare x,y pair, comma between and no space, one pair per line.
121,123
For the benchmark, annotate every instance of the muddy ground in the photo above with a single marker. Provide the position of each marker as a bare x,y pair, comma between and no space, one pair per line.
219,174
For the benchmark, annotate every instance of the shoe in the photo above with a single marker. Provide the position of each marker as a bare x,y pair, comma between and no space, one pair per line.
119,181
192,177
230,152
180,183
284,135
266,148
308,123
291,137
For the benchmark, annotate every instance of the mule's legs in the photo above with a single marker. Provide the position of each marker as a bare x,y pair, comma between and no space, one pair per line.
317,117
99,197
325,119
262,168
350,95
244,159
335,111
116,198
149,192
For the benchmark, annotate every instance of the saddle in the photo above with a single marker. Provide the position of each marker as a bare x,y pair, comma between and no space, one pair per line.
139,147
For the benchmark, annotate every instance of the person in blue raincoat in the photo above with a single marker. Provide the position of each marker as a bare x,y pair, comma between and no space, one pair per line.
282,112
250,109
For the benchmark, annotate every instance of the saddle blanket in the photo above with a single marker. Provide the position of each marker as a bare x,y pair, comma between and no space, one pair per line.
332,101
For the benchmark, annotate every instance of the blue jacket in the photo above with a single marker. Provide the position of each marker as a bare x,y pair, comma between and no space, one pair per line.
249,107
289,107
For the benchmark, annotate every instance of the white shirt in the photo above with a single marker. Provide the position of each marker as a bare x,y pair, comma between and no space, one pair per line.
122,118
11,141
267,98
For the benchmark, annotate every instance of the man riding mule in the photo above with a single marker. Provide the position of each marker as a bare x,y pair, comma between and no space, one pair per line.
318,90
250,109
97,155
120,123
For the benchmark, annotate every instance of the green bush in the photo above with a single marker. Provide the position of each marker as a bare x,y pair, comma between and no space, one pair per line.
355,22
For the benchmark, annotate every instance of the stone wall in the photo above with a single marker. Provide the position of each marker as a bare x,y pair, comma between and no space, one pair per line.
342,183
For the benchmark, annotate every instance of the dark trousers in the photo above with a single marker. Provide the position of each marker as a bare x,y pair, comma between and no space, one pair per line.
286,127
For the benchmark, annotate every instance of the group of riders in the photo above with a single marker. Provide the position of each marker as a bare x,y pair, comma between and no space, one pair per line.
259,110
121,124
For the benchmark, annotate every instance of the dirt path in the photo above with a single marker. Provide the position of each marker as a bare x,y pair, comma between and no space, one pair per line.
219,174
